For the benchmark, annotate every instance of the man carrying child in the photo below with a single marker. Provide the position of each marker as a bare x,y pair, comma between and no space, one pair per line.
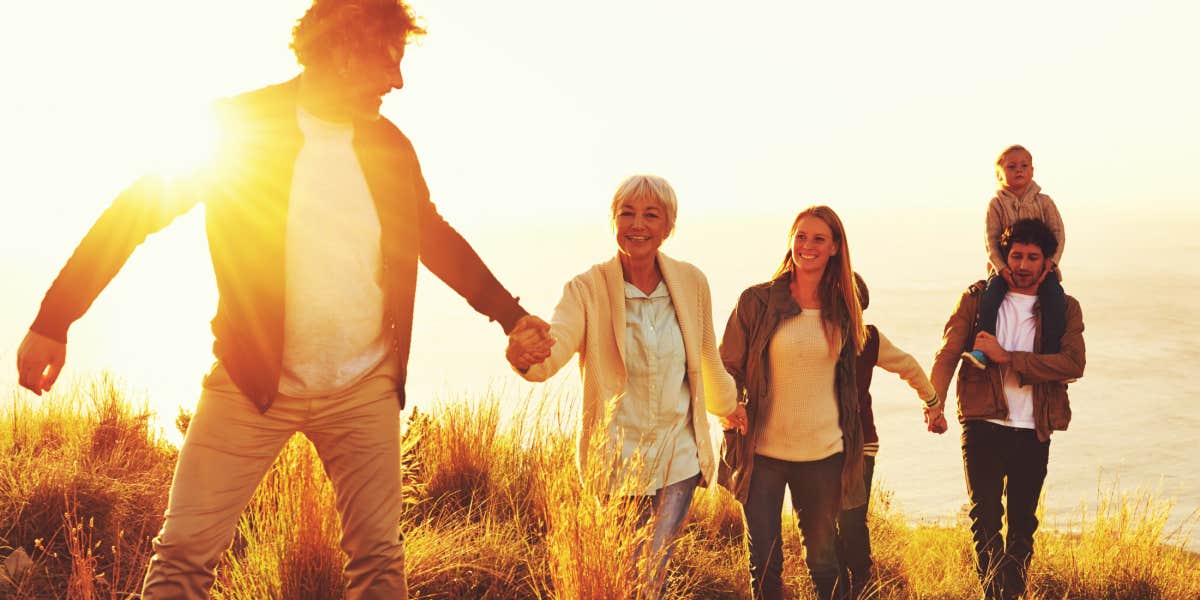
1009,408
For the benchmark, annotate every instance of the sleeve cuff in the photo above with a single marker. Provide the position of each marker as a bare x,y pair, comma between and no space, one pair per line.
508,316
45,326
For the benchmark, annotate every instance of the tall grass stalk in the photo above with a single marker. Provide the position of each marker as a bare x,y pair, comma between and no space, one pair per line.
597,542
83,483
496,508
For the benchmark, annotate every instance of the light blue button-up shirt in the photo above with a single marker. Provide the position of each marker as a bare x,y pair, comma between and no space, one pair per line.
652,418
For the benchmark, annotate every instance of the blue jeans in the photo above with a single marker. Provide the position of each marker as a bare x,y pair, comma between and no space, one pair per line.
668,507
816,488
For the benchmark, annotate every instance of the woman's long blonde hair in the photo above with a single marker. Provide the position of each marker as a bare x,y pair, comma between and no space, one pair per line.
840,309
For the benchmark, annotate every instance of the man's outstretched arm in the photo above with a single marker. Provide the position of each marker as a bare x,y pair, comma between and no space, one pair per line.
448,255
147,206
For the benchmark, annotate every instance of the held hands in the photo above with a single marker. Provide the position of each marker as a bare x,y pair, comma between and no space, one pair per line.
736,420
935,418
39,361
989,345
529,343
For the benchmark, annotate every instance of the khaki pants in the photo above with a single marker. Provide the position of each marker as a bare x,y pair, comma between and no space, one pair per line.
228,449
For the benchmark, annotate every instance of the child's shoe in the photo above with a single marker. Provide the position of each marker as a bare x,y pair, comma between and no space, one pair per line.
977,358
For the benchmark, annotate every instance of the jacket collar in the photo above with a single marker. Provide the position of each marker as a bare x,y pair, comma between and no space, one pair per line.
277,140
780,301
279,105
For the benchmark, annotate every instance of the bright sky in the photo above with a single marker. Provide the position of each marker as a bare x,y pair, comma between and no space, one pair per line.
527,114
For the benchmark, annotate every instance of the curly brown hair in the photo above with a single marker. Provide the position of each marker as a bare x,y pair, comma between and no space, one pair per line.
360,27
1029,231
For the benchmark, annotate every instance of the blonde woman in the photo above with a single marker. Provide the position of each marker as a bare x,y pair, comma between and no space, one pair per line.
790,345
641,323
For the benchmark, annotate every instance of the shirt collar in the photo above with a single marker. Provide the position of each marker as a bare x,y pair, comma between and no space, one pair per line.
660,291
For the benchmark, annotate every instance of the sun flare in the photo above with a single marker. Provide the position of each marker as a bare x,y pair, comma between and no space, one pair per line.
179,142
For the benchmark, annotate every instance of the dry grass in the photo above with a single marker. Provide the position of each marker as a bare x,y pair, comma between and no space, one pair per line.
1123,551
83,486
496,509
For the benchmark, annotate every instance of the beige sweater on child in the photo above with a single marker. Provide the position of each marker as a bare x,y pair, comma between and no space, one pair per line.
1006,209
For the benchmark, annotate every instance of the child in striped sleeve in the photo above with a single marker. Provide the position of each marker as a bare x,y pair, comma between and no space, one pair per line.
853,537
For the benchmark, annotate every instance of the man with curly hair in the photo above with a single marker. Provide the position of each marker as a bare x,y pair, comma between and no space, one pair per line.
317,215
1009,409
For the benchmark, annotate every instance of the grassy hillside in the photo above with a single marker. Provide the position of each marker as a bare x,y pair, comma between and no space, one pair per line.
496,509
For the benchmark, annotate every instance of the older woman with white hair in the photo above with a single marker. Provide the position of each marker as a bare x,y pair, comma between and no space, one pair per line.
642,325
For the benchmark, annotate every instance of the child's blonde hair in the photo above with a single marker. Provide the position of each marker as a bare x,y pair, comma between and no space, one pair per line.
1006,152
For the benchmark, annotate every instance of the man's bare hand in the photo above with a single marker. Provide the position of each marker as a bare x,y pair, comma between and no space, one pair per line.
529,343
989,345
39,361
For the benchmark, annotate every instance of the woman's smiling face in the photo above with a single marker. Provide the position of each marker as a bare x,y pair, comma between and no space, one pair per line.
641,227
812,245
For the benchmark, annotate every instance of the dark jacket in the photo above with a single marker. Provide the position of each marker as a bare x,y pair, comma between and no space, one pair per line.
744,349
981,393
246,190
864,368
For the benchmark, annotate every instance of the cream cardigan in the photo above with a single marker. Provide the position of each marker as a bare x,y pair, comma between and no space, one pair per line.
590,320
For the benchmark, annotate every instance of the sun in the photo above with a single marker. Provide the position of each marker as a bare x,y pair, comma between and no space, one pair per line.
179,142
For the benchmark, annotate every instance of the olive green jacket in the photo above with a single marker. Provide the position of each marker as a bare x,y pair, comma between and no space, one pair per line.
744,348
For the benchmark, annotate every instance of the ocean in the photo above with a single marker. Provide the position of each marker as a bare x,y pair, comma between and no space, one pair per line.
1137,280
1134,425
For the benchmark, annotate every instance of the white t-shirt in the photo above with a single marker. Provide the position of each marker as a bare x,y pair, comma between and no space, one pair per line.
333,309
1015,329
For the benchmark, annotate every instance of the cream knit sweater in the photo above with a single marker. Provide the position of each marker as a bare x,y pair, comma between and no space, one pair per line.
801,423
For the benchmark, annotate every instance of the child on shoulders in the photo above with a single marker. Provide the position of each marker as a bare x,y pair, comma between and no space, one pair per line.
1020,197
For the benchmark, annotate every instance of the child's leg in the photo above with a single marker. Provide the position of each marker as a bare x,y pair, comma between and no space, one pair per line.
854,537
989,308
989,304
1054,313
